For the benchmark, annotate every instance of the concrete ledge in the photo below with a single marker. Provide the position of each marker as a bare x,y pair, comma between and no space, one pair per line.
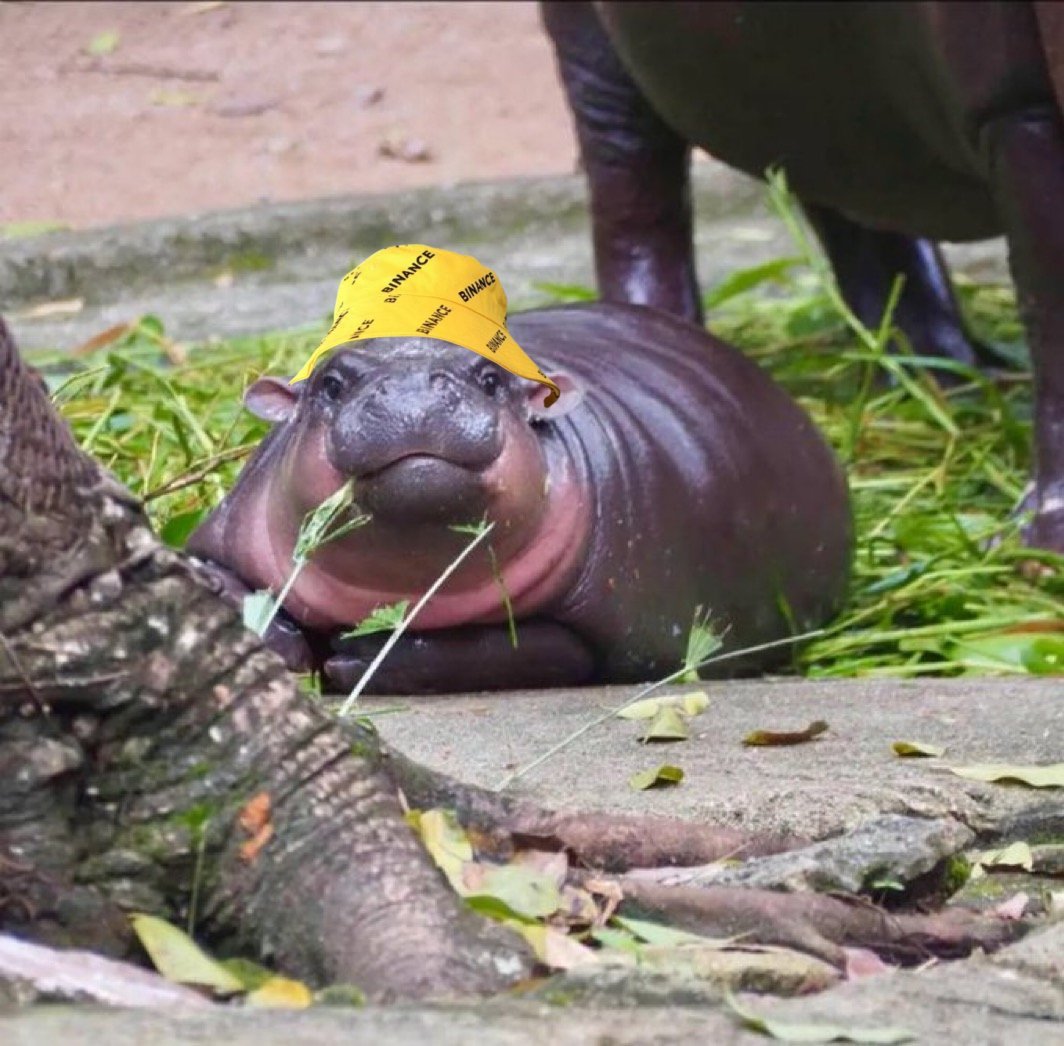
276,267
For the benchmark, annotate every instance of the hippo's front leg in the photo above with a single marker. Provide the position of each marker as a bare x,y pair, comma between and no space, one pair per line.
638,170
1027,156
284,636
868,261
474,657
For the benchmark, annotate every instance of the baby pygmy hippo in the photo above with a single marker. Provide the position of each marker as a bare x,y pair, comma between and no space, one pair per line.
671,475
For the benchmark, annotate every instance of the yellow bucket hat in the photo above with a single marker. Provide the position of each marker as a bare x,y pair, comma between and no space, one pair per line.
413,289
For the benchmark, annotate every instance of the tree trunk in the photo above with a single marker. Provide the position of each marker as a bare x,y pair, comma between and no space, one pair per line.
138,718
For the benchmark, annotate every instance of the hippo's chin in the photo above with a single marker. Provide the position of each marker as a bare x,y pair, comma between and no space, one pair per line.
422,489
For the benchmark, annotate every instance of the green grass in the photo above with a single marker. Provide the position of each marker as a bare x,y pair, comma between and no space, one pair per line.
940,575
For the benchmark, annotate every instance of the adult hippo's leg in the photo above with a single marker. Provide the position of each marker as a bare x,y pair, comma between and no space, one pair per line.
638,171
468,658
868,261
1026,151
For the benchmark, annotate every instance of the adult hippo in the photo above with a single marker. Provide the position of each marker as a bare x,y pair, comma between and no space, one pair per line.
671,475
897,124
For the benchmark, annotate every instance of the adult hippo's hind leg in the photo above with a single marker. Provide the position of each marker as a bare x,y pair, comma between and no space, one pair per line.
474,657
868,261
1027,156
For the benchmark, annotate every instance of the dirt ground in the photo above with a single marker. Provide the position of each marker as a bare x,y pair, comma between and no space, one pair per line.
198,106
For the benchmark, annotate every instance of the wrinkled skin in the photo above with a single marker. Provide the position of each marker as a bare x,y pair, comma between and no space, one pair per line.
671,475
897,123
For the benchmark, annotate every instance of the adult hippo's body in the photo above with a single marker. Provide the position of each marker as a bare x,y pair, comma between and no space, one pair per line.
897,124
671,475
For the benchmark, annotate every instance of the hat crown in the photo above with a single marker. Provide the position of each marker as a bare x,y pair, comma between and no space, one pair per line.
416,268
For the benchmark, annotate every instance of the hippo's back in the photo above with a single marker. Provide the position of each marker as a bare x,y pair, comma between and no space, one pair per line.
711,487
872,108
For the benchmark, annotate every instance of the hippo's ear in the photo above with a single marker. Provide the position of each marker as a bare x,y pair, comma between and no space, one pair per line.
272,399
571,395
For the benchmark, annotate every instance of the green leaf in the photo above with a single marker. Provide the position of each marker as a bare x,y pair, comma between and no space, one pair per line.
250,974
19,230
1050,776
382,619
472,529
702,642
103,43
916,748
257,609
667,725
178,958
321,525
616,940
1034,652
523,890
744,280
176,531
788,1031
661,776
566,292
663,936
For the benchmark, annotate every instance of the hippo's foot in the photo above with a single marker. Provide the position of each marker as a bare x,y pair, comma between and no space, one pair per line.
474,657
284,636
868,261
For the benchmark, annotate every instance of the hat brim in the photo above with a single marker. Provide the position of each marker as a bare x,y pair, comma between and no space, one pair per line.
426,316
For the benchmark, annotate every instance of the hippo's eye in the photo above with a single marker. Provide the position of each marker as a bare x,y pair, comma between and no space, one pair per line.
489,381
332,387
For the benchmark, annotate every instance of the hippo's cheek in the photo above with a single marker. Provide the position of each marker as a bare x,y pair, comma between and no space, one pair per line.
516,482
308,475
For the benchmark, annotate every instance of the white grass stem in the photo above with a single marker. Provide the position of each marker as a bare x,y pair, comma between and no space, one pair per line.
366,676
590,725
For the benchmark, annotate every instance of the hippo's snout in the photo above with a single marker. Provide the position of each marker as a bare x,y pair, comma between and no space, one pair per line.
422,489
416,442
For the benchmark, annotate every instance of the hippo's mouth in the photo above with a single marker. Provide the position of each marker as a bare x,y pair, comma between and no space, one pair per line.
416,489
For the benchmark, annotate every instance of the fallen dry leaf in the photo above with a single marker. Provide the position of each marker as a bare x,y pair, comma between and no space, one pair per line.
659,777
105,337
174,99
250,850
280,993
256,813
409,150
916,748
1015,855
178,958
667,725
66,307
255,820
1014,908
862,962
786,737
1050,776
556,949
201,7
